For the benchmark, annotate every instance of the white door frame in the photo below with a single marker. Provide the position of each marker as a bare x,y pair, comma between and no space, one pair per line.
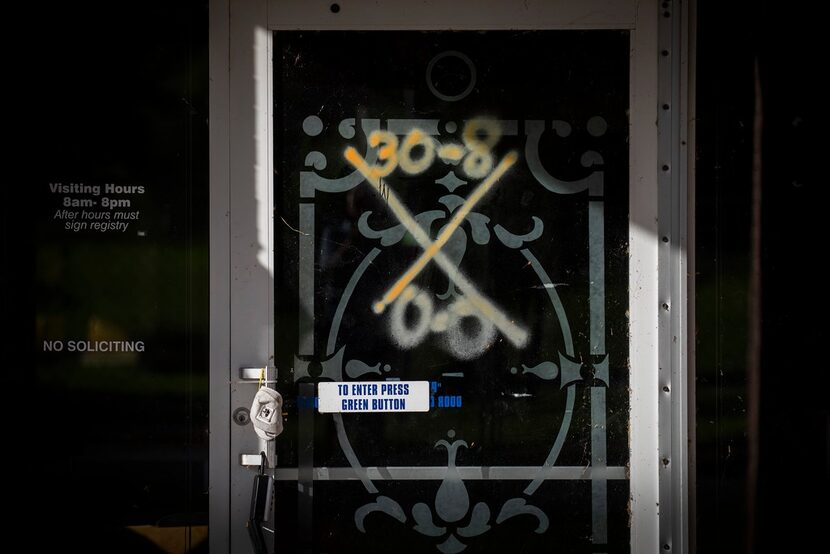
241,232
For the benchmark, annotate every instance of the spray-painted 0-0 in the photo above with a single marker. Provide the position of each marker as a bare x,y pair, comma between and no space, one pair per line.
452,207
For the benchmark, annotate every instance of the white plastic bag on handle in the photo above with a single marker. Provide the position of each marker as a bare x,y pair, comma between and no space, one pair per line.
266,413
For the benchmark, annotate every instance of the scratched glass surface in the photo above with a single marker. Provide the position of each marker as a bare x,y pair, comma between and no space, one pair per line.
452,207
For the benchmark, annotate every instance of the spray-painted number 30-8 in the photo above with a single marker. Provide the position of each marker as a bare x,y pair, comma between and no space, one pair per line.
480,135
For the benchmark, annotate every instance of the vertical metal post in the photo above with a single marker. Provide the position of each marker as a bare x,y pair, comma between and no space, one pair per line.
673,408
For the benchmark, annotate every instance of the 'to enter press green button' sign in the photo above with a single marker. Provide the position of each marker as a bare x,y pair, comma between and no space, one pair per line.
369,396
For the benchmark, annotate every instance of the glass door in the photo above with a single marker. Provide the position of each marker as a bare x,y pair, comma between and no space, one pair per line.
452,208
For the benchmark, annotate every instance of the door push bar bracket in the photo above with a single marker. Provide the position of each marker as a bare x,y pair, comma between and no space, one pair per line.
268,374
251,460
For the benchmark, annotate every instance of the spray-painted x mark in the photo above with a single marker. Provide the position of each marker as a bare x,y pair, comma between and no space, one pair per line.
432,250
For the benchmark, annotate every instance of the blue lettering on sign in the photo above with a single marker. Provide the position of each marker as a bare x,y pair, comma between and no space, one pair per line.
394,389
364,389
308,402
353,404
388,403
445,401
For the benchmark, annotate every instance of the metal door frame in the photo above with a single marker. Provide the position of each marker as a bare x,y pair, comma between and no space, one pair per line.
241,226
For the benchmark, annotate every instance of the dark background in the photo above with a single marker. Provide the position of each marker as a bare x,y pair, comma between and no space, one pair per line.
98,89
107,93
794,420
